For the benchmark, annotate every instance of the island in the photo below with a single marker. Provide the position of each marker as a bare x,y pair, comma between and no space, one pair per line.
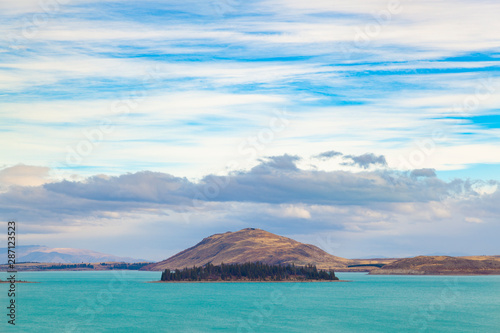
250,245
248,272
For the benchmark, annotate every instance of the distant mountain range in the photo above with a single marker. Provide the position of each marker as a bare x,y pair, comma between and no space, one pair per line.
250,245
39,253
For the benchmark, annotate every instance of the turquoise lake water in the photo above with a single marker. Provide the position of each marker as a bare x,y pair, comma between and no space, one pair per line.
120,301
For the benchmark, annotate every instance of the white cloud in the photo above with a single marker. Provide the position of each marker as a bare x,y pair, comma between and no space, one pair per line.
23,175
473,220
293,211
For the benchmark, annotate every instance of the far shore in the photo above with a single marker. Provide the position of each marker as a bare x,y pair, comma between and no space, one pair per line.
436,274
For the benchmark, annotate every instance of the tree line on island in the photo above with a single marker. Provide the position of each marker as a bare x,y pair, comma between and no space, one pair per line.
248,272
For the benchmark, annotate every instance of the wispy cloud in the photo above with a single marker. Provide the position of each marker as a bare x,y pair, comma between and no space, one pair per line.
366,160
328,154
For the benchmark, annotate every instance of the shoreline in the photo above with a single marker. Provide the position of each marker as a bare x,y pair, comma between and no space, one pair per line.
324,281
439,274
435,272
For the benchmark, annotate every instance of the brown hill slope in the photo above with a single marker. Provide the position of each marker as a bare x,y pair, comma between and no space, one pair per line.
441,265
250,245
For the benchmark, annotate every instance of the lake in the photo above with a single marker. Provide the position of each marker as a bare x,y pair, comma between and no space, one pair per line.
121,301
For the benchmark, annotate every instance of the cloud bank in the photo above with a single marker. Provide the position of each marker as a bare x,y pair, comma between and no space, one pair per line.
276,195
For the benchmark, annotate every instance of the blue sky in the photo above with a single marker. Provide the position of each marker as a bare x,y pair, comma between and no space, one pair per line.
195,90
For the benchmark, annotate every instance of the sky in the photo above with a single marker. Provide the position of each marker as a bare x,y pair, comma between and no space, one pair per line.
137,128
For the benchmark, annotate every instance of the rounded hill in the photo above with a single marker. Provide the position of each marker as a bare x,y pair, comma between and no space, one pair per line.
250,245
